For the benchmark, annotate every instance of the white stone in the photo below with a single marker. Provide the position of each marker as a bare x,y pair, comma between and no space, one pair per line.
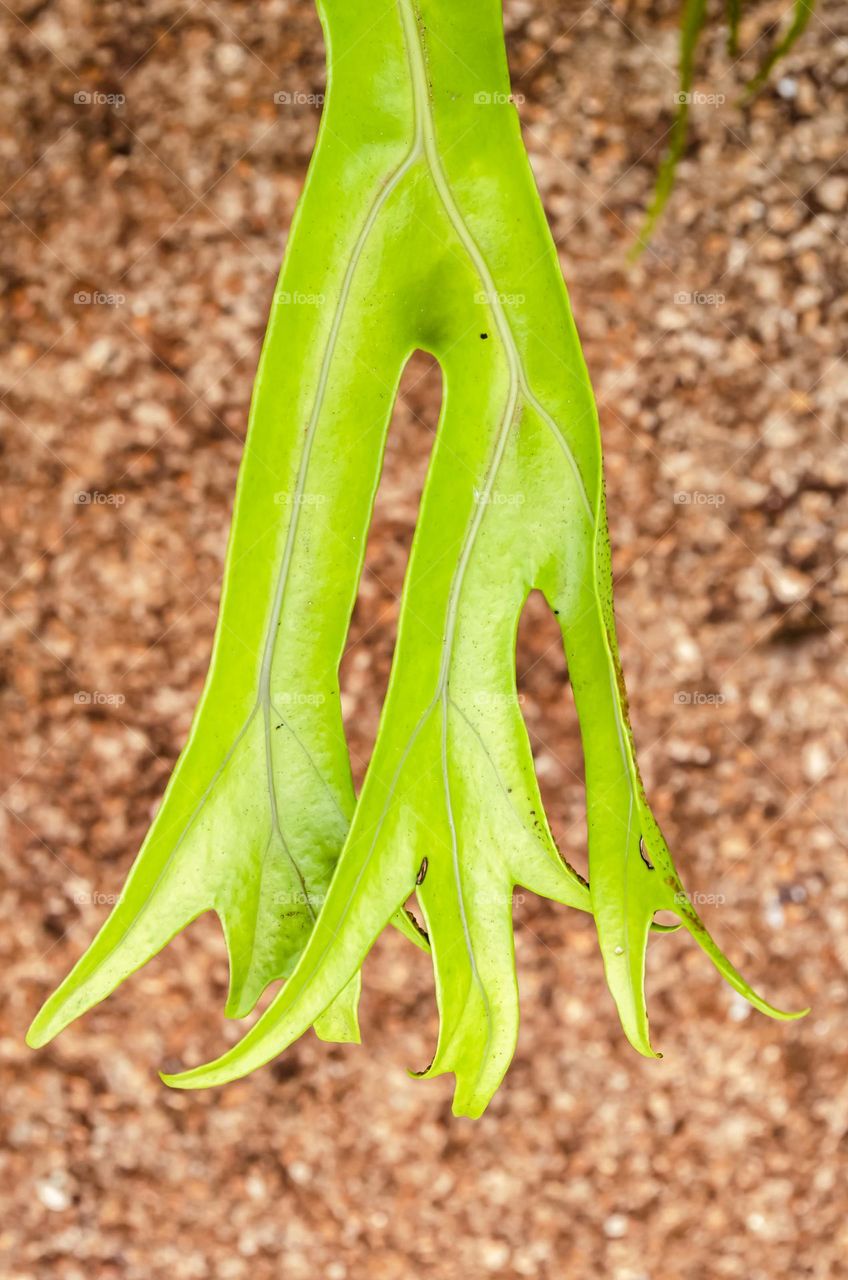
494,1255
53,1197
615,1226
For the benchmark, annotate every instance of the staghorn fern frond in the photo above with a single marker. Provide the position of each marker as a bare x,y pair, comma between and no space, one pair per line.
420,228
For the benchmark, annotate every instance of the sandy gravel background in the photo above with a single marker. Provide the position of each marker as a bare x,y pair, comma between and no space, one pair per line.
724,1160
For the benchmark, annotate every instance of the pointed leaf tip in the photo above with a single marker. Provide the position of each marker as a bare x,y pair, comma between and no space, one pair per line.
36,1036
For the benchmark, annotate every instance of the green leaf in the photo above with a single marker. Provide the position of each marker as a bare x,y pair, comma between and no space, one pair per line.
801,14
693,20
260,801
734,18
453,255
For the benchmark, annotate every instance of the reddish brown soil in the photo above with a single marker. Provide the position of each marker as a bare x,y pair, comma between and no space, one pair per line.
724,1160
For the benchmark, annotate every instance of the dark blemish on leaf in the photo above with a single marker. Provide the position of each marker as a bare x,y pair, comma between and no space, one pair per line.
422,871
644,854
484,336
281,724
